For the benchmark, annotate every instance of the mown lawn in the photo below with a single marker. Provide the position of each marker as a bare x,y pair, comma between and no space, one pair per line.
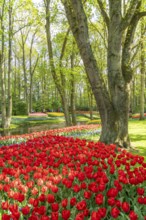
137,131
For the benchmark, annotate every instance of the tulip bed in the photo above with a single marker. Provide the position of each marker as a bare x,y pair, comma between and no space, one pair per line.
137,115
52,177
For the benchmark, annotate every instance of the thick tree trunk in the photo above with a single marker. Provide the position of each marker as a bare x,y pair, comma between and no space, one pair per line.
117,118
113,104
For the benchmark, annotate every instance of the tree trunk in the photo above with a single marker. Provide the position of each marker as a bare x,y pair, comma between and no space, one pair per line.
66,111
142,101
91,105
2,73
117,118
31,70
9,108
60,83
26,97
112,102
73,106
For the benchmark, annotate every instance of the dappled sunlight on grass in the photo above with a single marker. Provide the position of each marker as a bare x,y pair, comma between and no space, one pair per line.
55,114
97,121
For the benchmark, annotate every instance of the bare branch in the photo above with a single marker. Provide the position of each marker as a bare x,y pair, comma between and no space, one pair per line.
103,12
27,25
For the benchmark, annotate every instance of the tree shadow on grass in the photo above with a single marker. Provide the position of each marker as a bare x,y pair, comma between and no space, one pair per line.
138,137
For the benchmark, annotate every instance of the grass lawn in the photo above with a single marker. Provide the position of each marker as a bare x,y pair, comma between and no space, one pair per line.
137,131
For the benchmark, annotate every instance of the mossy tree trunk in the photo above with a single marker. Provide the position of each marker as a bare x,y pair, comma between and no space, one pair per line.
112,101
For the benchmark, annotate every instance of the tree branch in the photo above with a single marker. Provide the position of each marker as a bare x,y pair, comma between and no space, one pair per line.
103,12
126,53
62,54
35,65
142,14
64,44
99,32
27,25
134,5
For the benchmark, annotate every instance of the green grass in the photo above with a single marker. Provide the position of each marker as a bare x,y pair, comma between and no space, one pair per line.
137,131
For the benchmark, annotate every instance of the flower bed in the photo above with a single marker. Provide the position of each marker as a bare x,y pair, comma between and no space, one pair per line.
137,115
7,140
55,177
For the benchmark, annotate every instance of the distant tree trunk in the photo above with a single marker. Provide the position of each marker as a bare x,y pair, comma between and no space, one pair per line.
91,105
3,98
31,70
9,108
60,83
142,100
26,96
72,99
15,84
19,82
112,102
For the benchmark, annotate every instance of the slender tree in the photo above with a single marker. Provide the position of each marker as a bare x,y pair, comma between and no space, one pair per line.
2,75
9,102
60,84
142,100
32,68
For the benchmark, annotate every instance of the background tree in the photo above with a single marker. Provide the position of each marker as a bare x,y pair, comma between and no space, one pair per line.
142,95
